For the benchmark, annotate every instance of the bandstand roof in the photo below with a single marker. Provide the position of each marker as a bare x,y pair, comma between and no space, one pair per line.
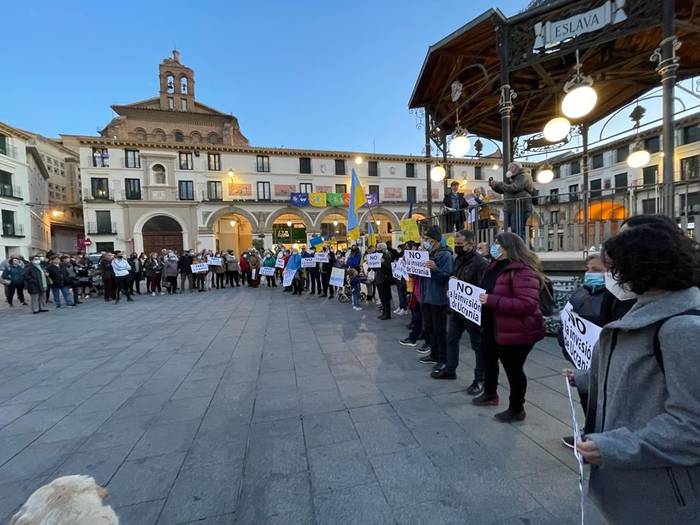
616,56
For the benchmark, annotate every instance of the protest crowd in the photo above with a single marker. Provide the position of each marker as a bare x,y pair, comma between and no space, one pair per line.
631,331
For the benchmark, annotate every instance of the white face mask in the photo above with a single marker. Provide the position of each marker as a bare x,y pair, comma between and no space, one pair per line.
620,291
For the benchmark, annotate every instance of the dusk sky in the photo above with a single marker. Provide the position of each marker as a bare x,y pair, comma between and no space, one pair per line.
309,73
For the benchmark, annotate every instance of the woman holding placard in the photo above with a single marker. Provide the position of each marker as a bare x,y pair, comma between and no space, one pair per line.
511,320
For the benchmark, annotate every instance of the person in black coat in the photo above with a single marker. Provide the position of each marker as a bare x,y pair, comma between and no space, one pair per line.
36,284
59,282
383,279
456,204
326,269
468,266
108,280
184,266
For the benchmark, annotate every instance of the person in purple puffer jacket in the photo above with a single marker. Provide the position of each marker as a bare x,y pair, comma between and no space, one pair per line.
511,320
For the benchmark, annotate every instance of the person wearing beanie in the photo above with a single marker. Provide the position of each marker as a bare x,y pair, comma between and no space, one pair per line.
434,302
383,279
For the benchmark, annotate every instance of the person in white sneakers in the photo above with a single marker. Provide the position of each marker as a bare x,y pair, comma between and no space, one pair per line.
122,269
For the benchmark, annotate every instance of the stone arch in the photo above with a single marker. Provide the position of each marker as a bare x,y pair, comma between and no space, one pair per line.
213,138
395,223
171,239
178,135
308,222
140,134
138,225
226,210
196,137
158,135
330,211
422,210
184,87
169,82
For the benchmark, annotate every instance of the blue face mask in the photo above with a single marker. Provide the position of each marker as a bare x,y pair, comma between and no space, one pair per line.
594,279
427,245
495,251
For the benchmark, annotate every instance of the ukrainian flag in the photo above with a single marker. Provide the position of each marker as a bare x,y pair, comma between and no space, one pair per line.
357,200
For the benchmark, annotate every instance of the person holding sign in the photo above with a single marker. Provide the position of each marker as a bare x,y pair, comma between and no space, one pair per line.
383,279
294,265
643,416
433,292
468,267
269,262
325,270
511,320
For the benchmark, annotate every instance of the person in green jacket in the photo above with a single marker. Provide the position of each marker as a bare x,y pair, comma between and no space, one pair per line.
269,262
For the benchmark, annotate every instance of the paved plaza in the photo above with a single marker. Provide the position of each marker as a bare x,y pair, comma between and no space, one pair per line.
255,407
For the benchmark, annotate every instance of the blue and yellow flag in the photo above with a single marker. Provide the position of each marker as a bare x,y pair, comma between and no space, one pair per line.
357,200
372,237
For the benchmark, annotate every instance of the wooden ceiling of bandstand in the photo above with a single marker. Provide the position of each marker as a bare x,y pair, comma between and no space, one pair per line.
617,59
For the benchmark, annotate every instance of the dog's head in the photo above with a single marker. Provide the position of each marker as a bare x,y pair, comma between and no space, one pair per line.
76,496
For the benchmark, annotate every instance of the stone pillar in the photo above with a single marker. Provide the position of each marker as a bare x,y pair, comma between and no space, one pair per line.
206,240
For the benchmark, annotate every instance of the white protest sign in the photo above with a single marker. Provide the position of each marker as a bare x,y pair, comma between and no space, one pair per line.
374,260
267,271
577,454
415,261
580,336
398,269
200,268
337,277
321,257
288,277
279,262
464,299
214,261
308,262
253,273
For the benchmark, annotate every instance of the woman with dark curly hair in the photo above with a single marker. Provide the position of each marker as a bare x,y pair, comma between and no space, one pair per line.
643,419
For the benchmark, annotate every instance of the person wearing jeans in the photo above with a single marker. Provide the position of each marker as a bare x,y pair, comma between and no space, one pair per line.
511,320
434,302
15,274
517,190
468,267
59,282
122,270
37,283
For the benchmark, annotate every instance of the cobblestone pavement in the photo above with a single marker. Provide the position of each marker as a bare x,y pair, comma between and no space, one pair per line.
255,407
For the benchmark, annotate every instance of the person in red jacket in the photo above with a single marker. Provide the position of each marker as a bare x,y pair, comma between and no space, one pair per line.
511,320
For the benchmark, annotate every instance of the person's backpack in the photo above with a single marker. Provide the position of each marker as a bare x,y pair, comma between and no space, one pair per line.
657,344
547,297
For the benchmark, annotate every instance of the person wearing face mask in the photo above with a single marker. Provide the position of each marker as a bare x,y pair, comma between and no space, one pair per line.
511,320
36,283
14,273
353,260
269,262
455,203
383,280
434,302
517,191
154,273
402,309
468,267
184,268
294,263
170,269
108,280
484,250
643,415
59,282
325,270
122,270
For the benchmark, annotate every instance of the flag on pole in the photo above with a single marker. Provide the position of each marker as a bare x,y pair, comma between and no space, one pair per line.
372,237
357,200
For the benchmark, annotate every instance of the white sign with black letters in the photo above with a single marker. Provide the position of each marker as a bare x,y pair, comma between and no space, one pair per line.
580,336
464,299
415,261
374,260
308,262
267,271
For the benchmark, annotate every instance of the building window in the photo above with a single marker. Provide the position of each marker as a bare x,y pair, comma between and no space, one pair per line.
186,161
158,174
132,189
183,104
6,188
622,153
597,161
575,167
215,190
690,203
340,166
179,136
304,165
104,223
214,161
171,103
4,143
372,168
410,170
554,216
649,175
107,247
341,188
264,193
263,163
411,194
185,190
554,196
595,187
653,144
477,173
100,188
649,206
690,168
8,224
183,85
620,182
691,134
100,158
573,192
170,84
133,159
374,188
557,172
306,187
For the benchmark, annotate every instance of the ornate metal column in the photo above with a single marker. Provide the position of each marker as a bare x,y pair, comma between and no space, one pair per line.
428,184
667,65
585,192
505,107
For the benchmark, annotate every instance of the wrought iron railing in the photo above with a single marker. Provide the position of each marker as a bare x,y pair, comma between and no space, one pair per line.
98,228
579,221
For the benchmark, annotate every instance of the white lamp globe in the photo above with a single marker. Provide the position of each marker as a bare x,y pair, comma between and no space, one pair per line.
638,158
545,175
579,102
459,146
557,129
437,173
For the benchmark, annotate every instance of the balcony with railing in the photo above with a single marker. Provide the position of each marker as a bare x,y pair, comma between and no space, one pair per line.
98,228
11,191
10,229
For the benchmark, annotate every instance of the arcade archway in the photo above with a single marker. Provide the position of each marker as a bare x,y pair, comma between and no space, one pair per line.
334,229
233,232
161,232
289,229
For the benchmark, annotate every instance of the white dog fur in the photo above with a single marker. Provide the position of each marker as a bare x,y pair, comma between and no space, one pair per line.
69,500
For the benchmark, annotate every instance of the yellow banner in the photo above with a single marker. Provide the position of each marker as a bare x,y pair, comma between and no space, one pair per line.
317,199
409,230
450,240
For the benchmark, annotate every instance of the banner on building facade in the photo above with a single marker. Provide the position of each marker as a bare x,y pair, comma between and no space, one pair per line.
464,299
317,199
299,199
335,199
